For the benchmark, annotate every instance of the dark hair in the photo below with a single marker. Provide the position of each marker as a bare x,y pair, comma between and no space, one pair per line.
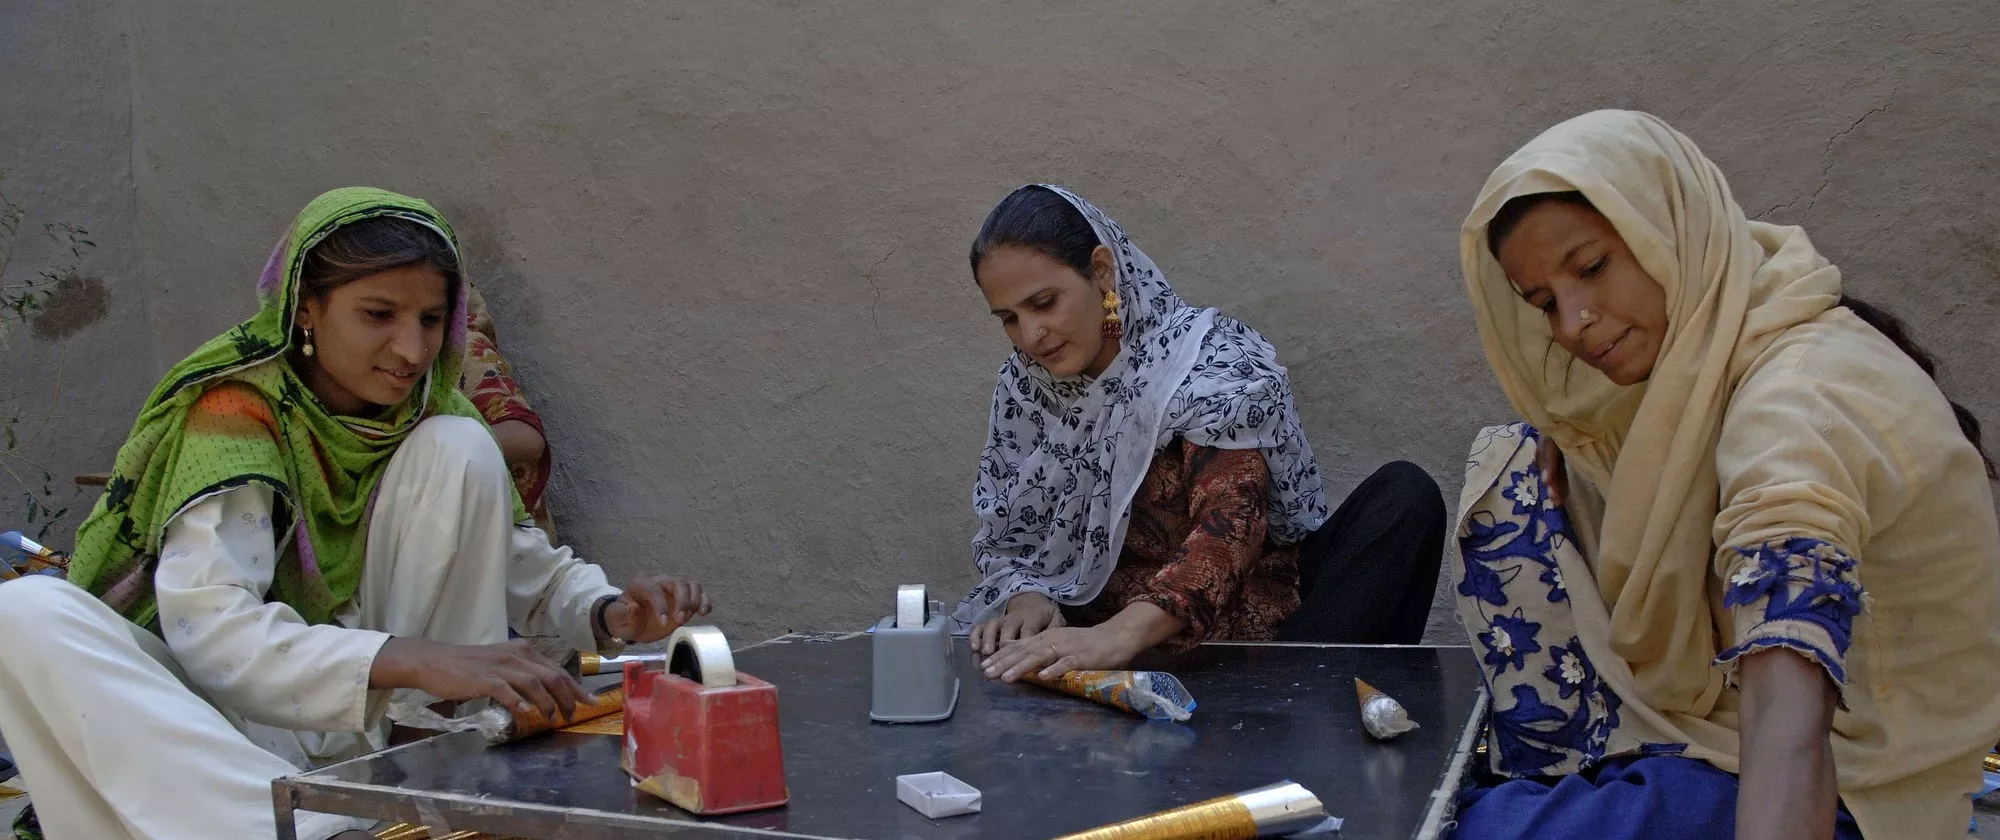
1510,215
374,245
1036,217
1891,327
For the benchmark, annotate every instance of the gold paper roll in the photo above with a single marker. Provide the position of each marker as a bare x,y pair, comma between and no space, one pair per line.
1221,818
407,831
1153,694
606,702
592,664
1992,763
1274,810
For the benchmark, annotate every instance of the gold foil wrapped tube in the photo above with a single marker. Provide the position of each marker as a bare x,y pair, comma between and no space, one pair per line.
592,664
1269,811
608,701
1153,694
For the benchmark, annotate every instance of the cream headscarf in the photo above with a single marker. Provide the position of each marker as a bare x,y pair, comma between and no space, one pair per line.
1644,460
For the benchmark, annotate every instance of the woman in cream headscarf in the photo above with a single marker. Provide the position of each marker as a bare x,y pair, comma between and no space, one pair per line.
1680,634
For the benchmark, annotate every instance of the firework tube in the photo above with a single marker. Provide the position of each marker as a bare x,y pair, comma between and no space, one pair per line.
1153,694
531,722
499,726
591,664
1381,716
1269,811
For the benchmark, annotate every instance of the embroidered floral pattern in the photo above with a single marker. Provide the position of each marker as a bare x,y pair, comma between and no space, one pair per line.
1552,713
1804,595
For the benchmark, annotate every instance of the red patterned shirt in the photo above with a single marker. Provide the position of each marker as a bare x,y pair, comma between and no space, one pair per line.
1196,548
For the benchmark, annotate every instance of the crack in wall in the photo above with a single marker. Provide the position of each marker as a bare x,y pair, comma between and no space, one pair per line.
1825,168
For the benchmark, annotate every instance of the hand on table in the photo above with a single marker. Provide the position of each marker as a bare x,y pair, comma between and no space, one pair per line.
1060,650
512,673
653,607
1028,613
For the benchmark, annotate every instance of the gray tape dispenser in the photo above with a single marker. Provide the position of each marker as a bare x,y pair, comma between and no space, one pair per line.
916,672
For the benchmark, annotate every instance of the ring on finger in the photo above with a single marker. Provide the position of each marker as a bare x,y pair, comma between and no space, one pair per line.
1052,650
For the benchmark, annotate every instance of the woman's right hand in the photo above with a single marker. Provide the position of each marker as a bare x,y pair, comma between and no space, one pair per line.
512,673
1028,613
1555,474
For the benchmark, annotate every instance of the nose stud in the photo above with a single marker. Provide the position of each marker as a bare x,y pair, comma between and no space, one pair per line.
1586,316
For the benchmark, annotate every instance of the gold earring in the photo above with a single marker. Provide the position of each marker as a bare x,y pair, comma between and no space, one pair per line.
1114,326
307,348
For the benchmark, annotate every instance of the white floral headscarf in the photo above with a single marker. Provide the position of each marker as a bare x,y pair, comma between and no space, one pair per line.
1065,457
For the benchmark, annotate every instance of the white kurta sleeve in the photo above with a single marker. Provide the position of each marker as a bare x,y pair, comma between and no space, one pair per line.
260,660
550,591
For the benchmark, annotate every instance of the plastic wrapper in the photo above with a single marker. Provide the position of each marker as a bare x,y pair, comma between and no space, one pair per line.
1153,694
1381,716
498,725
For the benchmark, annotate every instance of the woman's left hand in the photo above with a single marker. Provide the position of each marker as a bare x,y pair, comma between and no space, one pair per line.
653,607
1060,650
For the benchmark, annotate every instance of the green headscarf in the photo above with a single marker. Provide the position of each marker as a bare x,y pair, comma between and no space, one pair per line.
234,413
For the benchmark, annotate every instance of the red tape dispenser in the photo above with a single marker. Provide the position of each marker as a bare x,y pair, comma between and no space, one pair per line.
699,734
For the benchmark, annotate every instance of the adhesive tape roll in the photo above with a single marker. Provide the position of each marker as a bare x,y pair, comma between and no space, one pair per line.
701,654
912,608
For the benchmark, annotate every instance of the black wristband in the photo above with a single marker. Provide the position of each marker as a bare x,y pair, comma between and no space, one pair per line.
597,624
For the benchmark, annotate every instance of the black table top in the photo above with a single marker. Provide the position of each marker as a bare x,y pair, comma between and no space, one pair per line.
1046,764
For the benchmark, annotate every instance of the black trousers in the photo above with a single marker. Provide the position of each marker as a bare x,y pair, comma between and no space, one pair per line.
1367,575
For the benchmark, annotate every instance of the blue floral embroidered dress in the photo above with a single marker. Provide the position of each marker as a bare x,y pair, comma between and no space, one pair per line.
1553,718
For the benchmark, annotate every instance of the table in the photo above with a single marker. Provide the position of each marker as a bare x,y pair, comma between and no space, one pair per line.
1047,764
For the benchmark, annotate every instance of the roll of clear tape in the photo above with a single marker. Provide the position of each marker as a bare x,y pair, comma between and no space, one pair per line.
912,606
701,654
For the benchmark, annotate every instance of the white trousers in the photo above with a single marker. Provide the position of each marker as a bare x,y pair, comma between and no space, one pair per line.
112,739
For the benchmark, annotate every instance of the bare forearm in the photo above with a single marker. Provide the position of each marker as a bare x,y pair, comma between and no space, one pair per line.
1788,784
519,442
1142,624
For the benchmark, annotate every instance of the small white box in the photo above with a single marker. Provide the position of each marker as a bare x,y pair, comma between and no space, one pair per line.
937,795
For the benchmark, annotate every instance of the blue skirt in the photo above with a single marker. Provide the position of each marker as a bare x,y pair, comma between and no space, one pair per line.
1636,798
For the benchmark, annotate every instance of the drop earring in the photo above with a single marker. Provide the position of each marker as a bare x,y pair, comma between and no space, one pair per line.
1114,326
307,347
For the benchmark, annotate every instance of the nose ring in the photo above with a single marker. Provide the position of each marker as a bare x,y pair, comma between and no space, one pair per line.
1586,316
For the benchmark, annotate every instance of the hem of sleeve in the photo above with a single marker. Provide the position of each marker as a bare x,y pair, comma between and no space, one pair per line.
581,636
1730,659
1190,636
359,707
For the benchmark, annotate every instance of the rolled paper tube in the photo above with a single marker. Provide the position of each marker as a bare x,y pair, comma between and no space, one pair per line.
1153,694
506,728
406,831
1381,716
1269,811
591,664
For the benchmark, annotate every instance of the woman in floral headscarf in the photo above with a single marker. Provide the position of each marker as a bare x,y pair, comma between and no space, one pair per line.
307,516
1146,480
1664,568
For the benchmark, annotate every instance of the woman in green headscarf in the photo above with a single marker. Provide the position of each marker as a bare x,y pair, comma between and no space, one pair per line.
308,518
